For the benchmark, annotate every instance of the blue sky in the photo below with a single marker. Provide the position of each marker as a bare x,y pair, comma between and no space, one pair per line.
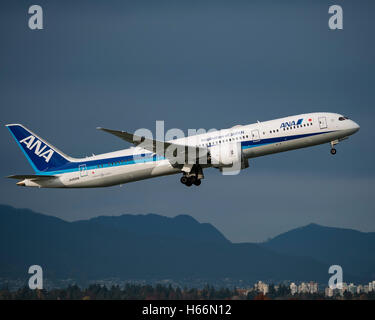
194,64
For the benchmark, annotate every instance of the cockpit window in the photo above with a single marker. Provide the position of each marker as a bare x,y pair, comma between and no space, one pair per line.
343,118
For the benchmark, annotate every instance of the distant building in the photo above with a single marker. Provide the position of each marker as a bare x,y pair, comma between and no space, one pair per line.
303,288
328,292
313,287
343,289
371,286
243,292
262,287
293,288
352,288
359,289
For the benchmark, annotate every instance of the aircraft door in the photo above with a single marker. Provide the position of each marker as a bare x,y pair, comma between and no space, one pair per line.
255,135
82,170
323,122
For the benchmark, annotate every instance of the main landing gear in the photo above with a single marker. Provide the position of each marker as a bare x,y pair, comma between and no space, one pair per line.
195,176
189,181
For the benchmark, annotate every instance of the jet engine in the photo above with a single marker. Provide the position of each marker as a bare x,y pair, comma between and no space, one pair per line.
228,157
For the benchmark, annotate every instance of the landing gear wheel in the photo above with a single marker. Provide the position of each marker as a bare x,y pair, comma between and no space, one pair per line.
184,180
197,182
333,151
189,182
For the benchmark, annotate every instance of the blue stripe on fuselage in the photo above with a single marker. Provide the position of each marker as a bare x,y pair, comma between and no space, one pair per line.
150,157
257,143
107,163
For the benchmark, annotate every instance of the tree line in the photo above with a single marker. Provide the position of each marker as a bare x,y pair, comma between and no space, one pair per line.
163,292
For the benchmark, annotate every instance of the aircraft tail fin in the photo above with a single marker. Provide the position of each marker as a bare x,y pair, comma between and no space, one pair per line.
42,156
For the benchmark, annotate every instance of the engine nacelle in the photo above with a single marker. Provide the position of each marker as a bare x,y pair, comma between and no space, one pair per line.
228,157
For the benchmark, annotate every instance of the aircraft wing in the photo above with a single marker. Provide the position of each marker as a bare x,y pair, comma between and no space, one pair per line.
169,150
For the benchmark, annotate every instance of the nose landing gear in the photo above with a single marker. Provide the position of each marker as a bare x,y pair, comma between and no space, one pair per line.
333,143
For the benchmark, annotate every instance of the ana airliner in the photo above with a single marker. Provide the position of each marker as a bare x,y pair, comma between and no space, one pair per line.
227,149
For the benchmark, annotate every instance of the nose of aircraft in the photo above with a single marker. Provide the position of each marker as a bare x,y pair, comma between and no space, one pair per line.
355,126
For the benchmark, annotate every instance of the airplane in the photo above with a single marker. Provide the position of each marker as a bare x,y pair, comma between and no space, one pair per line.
226,149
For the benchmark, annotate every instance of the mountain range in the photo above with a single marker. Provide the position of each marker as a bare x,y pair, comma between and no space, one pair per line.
156,247
353,250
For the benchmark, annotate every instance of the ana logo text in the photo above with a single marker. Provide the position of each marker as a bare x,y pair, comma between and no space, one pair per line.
291,123
39,148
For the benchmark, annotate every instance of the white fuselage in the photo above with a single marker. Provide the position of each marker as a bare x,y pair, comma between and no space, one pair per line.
255,140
